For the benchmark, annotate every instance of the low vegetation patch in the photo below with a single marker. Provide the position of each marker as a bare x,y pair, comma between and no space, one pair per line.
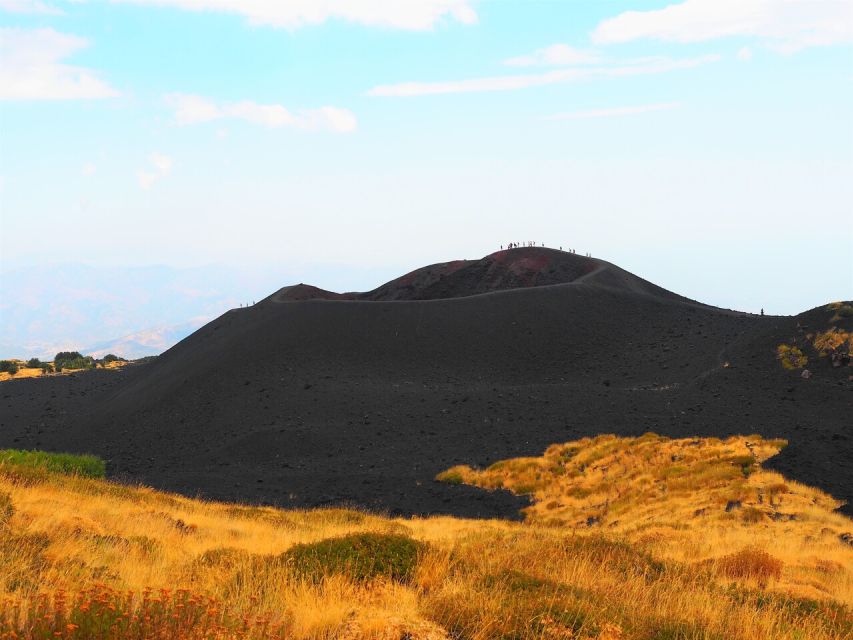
360,556
103,613
87,466
832,340
618,482
791,357
833,344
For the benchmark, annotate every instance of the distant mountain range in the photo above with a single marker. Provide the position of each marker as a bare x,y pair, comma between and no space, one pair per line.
129,311
148,342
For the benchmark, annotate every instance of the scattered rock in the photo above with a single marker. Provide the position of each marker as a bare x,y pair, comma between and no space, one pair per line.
776,516
731,505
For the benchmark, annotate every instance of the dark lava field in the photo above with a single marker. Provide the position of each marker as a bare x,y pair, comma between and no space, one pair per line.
312,398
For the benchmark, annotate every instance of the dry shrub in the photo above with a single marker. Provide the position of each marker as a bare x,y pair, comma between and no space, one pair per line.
752,515
750,563
831,340
6,508
791,357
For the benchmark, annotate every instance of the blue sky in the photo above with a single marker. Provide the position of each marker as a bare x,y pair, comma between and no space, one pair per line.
706,145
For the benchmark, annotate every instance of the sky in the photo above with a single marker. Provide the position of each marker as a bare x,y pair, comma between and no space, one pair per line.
705,145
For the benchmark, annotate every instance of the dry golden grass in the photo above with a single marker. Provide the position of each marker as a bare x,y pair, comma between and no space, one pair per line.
24,372
35,372
85,558
691,499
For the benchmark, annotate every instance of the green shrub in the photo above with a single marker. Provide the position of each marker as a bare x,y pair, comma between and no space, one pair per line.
72,360
111,357
87,466
8,366
34,363
360,556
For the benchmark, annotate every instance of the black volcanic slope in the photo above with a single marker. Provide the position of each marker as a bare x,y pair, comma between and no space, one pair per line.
314,398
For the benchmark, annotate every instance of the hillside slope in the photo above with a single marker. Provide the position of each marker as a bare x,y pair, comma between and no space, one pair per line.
364,398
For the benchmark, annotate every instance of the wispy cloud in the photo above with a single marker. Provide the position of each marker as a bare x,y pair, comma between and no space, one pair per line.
30,67
417,15
554,56
613,112
28,6
509,83
192,109
160,167
785,26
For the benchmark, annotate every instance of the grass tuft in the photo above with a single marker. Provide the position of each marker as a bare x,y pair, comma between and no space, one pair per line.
7,510
87,466
750,563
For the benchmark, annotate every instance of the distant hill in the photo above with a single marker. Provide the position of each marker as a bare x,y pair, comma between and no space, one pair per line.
517,268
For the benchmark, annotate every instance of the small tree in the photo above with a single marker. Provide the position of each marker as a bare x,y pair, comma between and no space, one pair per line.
34,363
8,366
72,360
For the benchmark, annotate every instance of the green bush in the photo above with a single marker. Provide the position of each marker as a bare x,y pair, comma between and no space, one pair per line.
111,357
82,465
34,363
72,360
360,556
8,366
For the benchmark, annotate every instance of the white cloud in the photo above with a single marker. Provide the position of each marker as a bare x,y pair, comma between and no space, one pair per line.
89,169
291,14
191,109
146,178
162,163
784,25
555,55
744,53
508,83
161,166
28,6
30,67
615,111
